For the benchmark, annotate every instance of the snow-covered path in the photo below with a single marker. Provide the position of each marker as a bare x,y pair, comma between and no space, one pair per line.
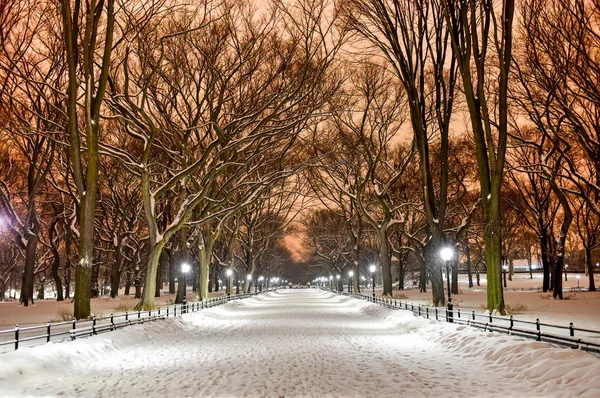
297,343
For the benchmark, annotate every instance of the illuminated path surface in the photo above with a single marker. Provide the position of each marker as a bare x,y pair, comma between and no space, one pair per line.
297,343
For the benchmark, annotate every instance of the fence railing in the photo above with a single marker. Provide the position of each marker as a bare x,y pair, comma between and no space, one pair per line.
567,336
16,337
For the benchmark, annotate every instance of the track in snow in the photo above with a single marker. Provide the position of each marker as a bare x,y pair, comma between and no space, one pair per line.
287,343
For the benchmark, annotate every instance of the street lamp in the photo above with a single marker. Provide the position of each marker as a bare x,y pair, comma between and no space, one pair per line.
331,281
260,279
338,282
228,273
350,287
249,278
566,266
504,268
373,268
185,268
446,254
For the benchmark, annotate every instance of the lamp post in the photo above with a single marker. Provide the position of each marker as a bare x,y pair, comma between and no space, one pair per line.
260,279
373,268
185,268
447,253
504,268
566,266
331,281
249,279
228,289
350,275
338,282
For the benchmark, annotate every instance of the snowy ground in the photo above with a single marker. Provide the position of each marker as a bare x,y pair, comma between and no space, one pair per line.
581,308
299,343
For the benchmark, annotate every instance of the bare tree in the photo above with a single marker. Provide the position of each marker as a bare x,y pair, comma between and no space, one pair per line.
475,28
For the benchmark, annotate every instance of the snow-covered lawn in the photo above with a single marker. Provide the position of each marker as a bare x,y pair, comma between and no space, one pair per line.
12,313
581,308
299,343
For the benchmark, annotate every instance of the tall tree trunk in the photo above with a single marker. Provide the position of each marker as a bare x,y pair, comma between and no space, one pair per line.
127,283
115,274
203,276
493,256
544,249
159,279
27,285
147,301
56,276
94,287
436,266
559,253
172,271
454,276
384,258
590,266
469,272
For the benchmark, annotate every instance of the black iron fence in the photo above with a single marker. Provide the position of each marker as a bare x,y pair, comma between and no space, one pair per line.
16,337
566,336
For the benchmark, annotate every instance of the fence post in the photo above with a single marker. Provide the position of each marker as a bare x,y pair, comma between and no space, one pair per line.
16,337
537,326
473,316
427,312
94,325
126,316
571,329
48,337
436,314
512,323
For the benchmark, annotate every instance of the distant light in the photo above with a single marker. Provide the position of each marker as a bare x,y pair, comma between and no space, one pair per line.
351,273
229,272
577,276
330,277
260,278
249,277
566,265
338,276
447,253
185,268
373,268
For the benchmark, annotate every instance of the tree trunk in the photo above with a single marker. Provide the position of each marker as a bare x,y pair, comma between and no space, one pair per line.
56,276
204,274
436,267
469,272
511,268
147,302
545,261
94,287
560,241
159,280
128,283
172,271
454,276
384,258
590,266
493,256
115,274
27,285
